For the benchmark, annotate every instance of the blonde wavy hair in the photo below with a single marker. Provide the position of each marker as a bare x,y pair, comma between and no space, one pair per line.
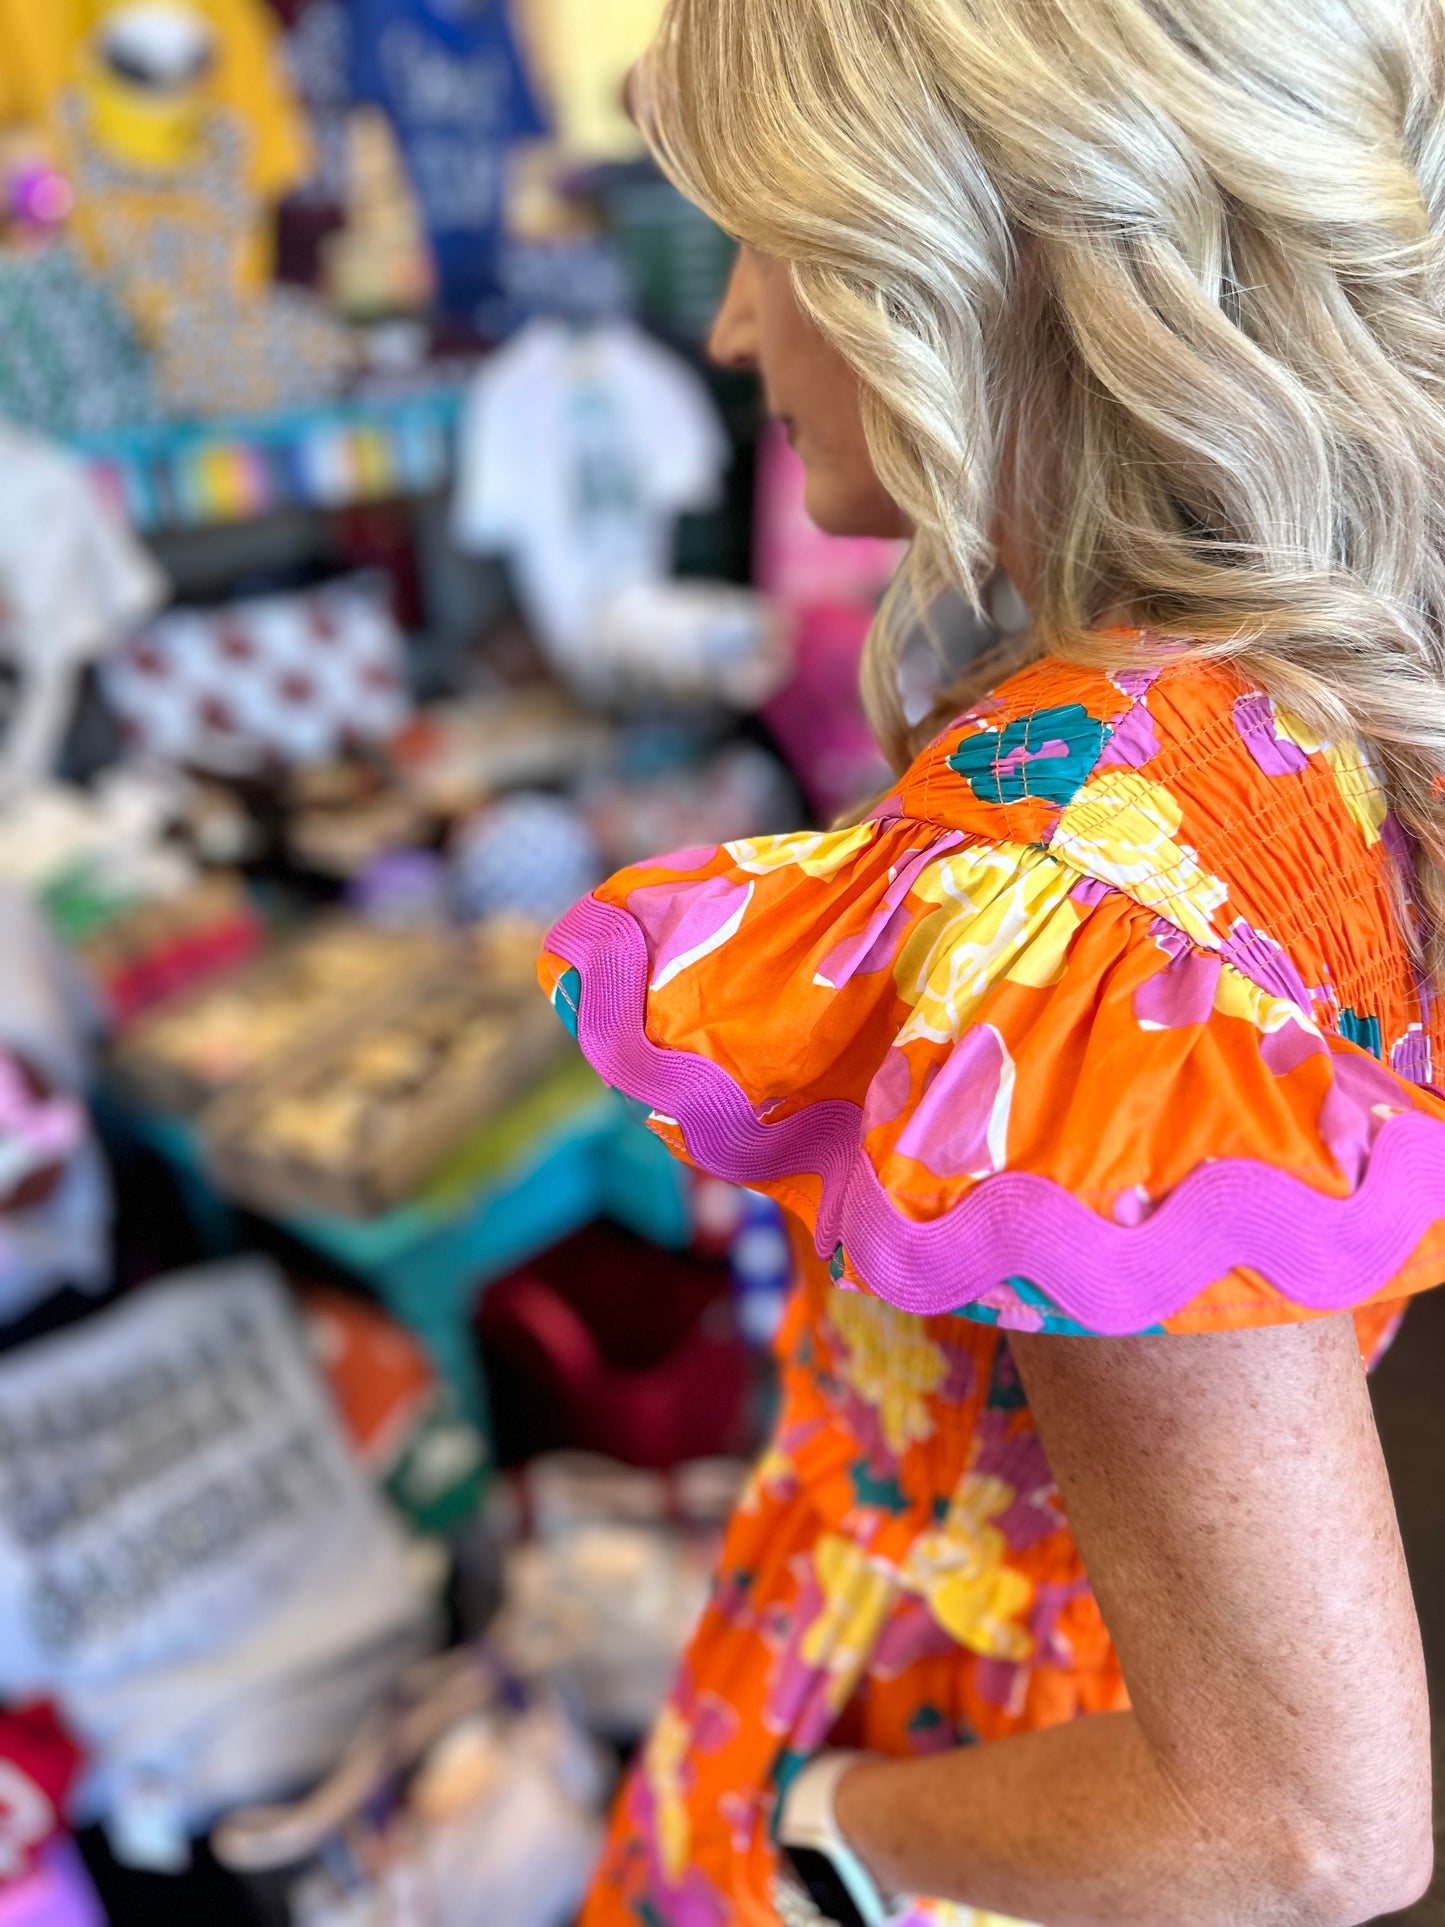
1165,275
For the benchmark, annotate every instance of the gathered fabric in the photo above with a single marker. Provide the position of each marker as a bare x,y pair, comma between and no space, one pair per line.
1104,1023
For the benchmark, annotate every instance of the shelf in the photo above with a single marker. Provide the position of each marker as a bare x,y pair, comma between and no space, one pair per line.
568,1152
188,475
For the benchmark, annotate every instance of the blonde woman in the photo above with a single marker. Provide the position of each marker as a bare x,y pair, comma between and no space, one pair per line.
1100,1066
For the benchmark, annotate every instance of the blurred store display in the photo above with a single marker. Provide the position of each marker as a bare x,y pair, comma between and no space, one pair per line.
189,1553
382,565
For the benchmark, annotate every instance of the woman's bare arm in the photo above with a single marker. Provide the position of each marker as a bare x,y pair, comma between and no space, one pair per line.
1230,1499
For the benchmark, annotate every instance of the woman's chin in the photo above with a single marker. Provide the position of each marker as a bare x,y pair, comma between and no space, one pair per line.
838,509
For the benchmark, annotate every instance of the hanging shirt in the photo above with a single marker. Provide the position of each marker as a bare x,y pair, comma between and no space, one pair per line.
450,75
578,454
316,43
43,56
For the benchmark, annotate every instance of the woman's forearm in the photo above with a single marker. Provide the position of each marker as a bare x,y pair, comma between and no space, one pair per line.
1079,1826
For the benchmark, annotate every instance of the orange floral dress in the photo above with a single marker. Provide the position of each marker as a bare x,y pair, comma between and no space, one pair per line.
1103,1023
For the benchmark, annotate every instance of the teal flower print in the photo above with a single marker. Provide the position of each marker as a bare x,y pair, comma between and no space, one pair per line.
1050,755
567,998
1365,1031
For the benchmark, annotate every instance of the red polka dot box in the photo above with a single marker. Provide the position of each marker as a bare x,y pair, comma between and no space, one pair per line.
286,679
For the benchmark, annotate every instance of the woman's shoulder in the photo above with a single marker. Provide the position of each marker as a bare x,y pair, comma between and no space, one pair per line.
1103,1020
1185,786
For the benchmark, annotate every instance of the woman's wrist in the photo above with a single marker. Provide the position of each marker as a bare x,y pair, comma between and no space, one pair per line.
852,1805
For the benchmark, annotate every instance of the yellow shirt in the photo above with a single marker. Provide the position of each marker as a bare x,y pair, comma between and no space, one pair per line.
43,45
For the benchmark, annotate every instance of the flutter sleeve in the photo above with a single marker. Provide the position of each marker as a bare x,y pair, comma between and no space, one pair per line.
990,1084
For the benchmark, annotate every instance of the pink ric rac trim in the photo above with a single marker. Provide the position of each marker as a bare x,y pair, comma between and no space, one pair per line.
1320,1252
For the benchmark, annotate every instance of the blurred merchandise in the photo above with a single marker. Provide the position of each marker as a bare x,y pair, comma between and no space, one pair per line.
178,246
402,890
71,362
288,679
86,856
61,46
358,1125
374,448
742,791
458,754
192,1563
605,1345
761,1262
474,1785
72,580
57,1892
38,198
584,53
55,1206
427,1457
378,264
452,80
138,953
678,259
125,899
389,583
818,717
253,1021
687,642
316,49
39,1765
531,856
344,817
579,451
604,1595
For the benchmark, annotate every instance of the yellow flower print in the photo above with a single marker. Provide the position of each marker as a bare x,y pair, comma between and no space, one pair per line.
1360,783
891,1363
858,1596
1122,829
667,1756
1237,996
959,1569
819,853
772,1473
996,905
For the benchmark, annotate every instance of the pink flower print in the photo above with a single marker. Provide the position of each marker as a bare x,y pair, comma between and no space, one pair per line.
1360,1101
839,1612
1050,1603
960,1125
1266,964
685,922
746,1814
888,1094
876,946
1411,1056
1018,1459
912,1634
1135,741
1182,993
1274,754
690,1725
683,862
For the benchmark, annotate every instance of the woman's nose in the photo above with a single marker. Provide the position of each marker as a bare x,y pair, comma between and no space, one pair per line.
733,342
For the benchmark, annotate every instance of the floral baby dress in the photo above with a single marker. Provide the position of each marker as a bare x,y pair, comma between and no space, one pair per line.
1104,1022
